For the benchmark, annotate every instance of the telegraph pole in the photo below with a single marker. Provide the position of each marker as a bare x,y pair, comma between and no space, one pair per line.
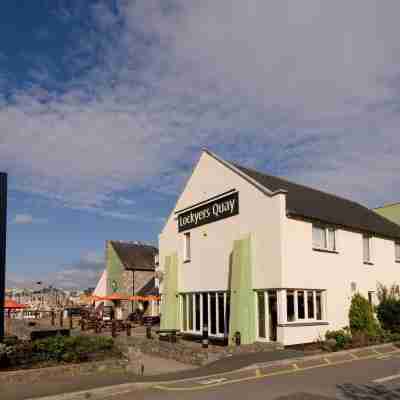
3,232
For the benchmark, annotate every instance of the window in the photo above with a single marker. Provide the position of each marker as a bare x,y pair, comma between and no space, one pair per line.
310,304
397,251
304,305
367,249
290,306
300,304
186,254
319,305
324,238
184,313
209,309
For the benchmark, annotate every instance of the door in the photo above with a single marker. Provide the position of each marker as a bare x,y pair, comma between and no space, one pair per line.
261,316
273,315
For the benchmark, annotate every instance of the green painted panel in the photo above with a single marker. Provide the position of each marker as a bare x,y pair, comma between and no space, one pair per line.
114,272
242,311
169,305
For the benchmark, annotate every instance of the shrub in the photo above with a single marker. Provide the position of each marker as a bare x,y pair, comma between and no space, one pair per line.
342,338
361,317
388,312
55,349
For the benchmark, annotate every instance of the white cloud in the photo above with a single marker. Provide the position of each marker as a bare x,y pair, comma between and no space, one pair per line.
310,88
26,219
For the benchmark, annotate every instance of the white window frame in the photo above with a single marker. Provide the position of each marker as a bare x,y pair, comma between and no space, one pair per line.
186,247
314,299
327,245
397,246
204,296
369,238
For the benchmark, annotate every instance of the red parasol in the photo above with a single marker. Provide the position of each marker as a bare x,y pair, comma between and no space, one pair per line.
13,305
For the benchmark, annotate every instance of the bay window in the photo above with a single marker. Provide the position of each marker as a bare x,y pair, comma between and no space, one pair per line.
304,305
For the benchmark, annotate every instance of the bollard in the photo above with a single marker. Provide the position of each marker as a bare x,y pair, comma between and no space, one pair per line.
61,318
142,369
113,329
83,327
148,331
204,342
71,324
237,338
128,329
52,318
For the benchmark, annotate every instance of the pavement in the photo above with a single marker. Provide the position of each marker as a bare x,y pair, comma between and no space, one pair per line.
264,375
179,372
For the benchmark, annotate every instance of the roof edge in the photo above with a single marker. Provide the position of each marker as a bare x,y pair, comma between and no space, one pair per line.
243,175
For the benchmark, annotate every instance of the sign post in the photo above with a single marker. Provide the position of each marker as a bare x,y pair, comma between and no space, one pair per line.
3,231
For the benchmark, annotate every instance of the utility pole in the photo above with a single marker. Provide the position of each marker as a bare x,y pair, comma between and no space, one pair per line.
3,232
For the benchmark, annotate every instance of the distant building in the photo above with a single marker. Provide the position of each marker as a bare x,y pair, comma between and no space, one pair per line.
130,270
390,211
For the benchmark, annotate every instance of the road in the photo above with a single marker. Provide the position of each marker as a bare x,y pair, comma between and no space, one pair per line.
377,378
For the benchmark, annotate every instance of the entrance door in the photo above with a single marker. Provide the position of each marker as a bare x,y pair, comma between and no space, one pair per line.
261,316
273,315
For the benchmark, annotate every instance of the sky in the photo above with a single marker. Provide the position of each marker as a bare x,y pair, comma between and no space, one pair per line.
105,106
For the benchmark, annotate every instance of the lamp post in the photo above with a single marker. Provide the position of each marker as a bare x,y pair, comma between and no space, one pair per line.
3,232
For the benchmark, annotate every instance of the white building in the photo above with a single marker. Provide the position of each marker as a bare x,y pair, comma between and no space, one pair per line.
251,253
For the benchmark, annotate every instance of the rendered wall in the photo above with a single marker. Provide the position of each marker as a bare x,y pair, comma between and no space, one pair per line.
212,244
308,269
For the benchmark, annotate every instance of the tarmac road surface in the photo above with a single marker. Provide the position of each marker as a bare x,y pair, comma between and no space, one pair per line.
376,378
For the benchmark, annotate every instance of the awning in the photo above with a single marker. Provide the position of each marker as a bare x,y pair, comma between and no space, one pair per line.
13,305
128,298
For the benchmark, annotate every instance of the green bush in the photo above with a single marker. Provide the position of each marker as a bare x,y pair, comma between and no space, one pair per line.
55,349
342,338
388,312
361,317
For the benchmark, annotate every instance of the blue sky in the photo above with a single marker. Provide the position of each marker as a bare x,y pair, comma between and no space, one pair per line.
105,106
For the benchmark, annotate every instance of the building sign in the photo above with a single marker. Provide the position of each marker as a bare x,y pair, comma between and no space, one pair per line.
215,210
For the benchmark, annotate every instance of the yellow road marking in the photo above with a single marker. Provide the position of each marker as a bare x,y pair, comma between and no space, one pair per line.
258,372
260,375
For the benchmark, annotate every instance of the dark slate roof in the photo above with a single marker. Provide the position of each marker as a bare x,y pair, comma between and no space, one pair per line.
135,255
309,203
149,289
